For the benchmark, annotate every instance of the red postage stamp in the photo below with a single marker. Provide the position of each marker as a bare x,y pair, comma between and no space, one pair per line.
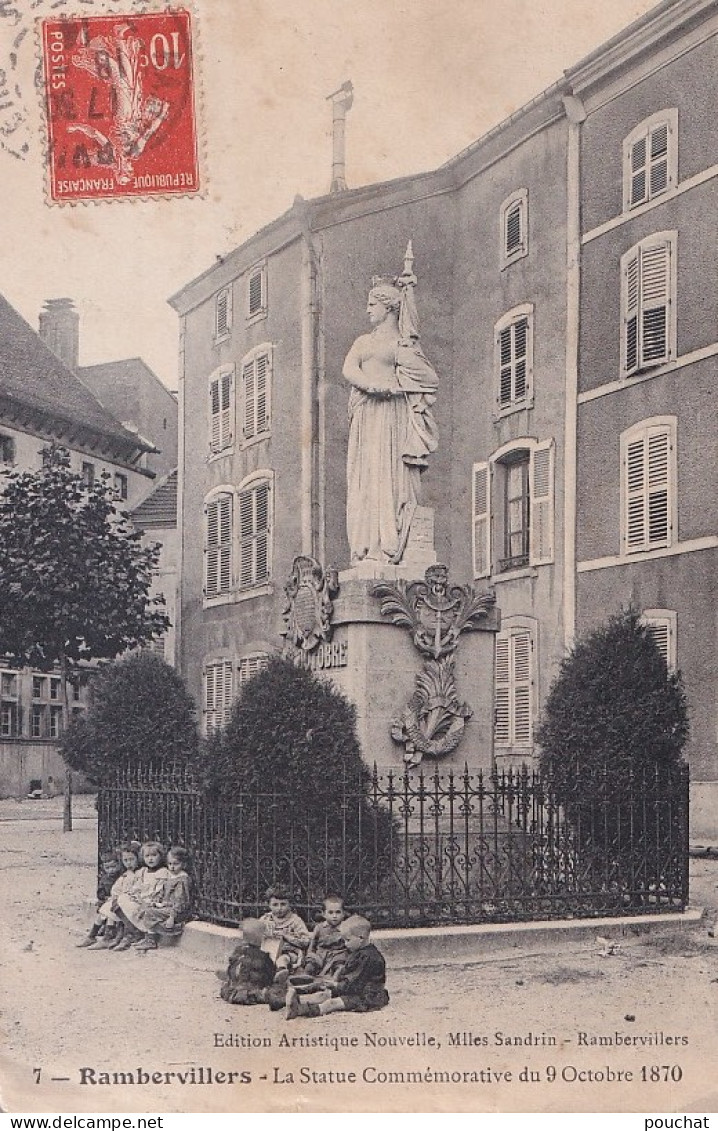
121,118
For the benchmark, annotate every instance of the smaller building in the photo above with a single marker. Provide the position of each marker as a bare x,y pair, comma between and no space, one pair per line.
156,517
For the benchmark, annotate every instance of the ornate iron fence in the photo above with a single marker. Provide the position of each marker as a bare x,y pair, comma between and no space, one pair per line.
421,849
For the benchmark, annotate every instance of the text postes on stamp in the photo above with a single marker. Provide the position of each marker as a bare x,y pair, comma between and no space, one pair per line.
120,106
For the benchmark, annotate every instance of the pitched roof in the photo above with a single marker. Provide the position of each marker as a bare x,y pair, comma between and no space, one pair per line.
31,375
159,508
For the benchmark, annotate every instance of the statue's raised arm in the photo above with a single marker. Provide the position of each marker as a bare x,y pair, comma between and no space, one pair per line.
392,430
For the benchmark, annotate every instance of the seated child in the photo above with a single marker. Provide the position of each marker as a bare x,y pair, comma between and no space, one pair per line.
359,987
114,927
132,907
170,909
110,870
287,930
250,971
326,952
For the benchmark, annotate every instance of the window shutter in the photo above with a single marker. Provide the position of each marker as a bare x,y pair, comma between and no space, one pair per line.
227,692
658,488
256,296
214,416
505,367
655,295
541,496
225,548
249,400
226,429
659,159
209,687
261,495
502,692
514,239
481,508
520,329
647,490
631,281
223,318
521,673
262,368
250,665
246,528
211,585
639,182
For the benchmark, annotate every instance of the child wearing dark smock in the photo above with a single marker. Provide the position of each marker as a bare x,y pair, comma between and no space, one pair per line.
360,987
110,871
250,971
327,952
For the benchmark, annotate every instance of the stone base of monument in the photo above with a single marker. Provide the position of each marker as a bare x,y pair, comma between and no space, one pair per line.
418,555
375,663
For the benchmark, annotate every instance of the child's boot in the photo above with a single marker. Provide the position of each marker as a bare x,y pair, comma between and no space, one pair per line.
118,936
102,942
90,937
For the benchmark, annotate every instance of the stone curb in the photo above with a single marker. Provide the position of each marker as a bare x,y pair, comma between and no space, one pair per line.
206,945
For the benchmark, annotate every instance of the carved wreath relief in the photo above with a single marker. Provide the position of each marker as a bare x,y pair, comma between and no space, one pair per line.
436,614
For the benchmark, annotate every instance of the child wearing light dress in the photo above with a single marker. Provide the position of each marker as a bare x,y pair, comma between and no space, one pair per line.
160,901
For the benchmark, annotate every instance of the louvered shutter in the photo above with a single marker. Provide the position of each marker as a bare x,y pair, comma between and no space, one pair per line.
658,142
223,313
247,539
541,495
225,543
211,582
631,280
660,632
227,691
521,689
481,509
261,499
505,367
249,400
256,296
647,490
514,239
226,400
639,180
520,329
214,415
262,378
654,301
502,692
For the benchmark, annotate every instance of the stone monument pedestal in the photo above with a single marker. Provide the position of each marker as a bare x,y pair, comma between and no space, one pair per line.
375,662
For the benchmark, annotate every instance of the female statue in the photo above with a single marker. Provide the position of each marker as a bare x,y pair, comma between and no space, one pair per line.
392,429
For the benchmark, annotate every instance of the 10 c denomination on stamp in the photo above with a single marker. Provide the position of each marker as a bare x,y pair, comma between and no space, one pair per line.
119,95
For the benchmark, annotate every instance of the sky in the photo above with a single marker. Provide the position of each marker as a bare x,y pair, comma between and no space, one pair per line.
430,76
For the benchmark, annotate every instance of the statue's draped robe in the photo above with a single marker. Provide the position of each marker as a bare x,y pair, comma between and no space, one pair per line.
389,441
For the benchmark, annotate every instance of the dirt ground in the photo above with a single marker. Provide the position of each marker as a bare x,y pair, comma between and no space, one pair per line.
574,1029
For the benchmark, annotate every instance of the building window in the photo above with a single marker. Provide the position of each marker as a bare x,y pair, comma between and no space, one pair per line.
514,227
514,360
257,292
648,485
88,474
648,303
650,159
514,687
661,625
120,482
221,409
256,387
218,545
218,694
55,722
249,666
223,313
37,720
9,709
7,450
513,508
55,688
254,534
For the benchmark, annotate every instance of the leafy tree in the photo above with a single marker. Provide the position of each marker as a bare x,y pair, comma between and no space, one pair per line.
612,733
140,712
74,577
291,751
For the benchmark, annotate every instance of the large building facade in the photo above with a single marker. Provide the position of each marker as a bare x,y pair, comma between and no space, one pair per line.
42,402
539,252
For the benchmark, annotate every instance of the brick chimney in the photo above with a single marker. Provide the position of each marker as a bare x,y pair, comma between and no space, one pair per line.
59,328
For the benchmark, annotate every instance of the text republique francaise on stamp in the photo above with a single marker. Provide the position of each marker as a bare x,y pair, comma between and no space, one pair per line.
120,106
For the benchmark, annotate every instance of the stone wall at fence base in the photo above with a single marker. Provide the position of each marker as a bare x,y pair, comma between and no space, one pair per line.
376,664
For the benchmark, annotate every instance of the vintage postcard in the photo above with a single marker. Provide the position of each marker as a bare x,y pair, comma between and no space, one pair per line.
394,326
